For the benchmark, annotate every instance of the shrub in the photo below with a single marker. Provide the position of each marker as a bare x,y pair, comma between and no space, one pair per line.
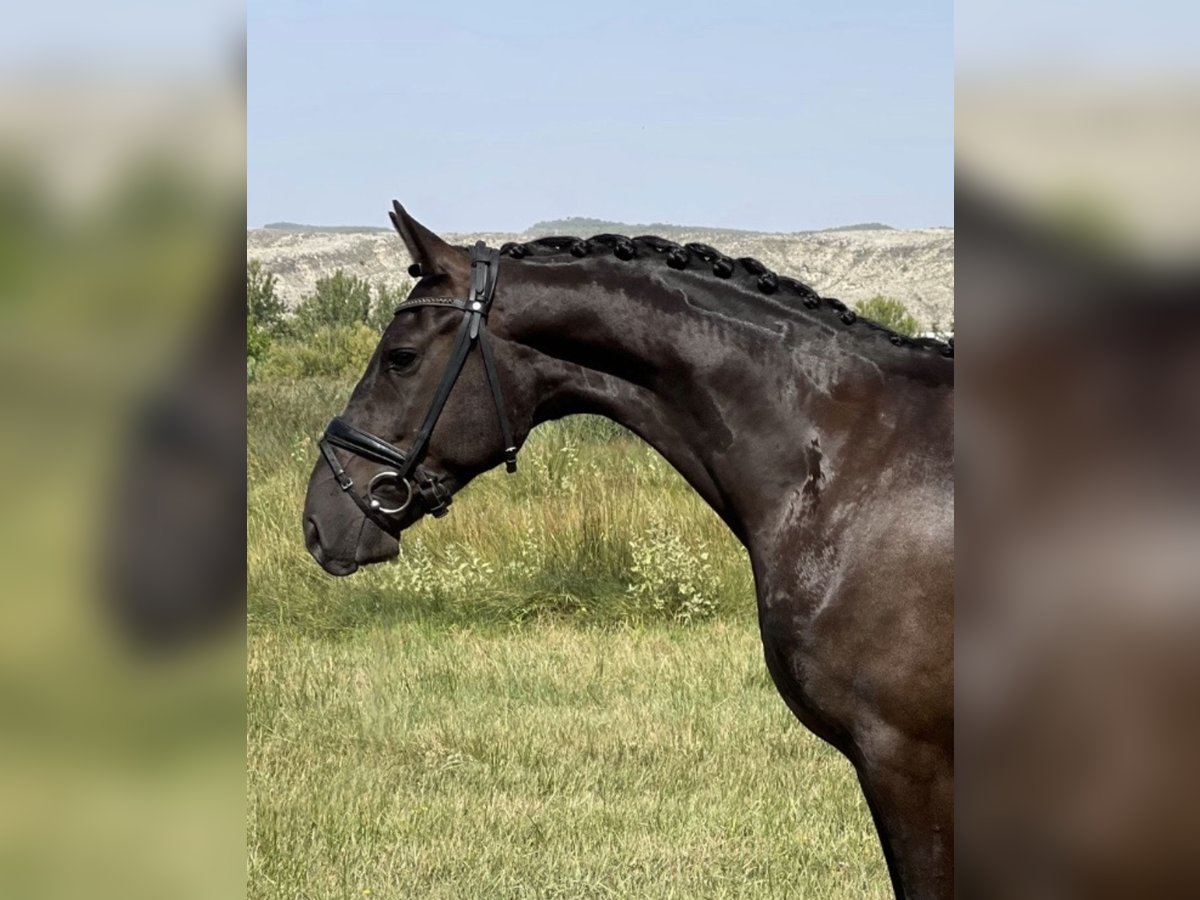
264,309
384,305
332,334
677,579
340,300
329,351
344,300
258,346
264,316
941,333
890,313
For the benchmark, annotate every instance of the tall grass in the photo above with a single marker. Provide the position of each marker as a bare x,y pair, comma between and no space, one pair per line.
595,528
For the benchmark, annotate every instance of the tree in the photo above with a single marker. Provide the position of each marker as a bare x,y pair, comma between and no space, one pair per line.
258,347
339,299
890,313
264,310
385,303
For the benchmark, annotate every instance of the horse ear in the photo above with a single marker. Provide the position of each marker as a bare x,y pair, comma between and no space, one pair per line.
427,250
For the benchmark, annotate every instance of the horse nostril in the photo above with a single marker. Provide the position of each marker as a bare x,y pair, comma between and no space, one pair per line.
312,534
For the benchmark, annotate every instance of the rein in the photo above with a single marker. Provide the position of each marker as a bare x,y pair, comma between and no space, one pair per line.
405,464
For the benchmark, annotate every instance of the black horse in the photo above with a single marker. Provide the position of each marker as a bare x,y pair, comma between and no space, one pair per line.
823,440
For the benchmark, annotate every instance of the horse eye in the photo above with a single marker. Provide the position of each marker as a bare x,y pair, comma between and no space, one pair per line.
401,359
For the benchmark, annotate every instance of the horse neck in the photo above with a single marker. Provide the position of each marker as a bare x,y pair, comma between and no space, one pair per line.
731,389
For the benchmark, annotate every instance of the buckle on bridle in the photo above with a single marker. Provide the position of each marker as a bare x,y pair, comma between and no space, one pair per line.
434,495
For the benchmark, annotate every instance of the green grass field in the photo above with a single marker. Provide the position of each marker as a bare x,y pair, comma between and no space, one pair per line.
557,691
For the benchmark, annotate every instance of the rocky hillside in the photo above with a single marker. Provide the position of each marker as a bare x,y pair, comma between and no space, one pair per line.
915,266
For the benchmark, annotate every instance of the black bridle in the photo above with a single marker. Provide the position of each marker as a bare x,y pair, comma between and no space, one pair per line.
405,464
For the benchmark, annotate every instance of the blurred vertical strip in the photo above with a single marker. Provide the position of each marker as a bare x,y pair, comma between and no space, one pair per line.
1078,416
122,377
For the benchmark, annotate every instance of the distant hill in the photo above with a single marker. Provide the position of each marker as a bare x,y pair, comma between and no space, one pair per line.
324,229
583,226
579,226
864,226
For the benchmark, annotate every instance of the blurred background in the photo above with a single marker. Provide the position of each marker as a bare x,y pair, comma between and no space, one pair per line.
122,378
1078,414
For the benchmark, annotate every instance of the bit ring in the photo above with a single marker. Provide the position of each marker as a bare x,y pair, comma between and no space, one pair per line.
378,505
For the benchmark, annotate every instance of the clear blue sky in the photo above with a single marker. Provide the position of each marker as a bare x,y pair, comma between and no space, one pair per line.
1122,39
491,116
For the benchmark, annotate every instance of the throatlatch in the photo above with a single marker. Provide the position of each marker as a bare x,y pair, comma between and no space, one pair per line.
406,468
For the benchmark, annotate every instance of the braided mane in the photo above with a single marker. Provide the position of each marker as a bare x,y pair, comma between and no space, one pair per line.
682,256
